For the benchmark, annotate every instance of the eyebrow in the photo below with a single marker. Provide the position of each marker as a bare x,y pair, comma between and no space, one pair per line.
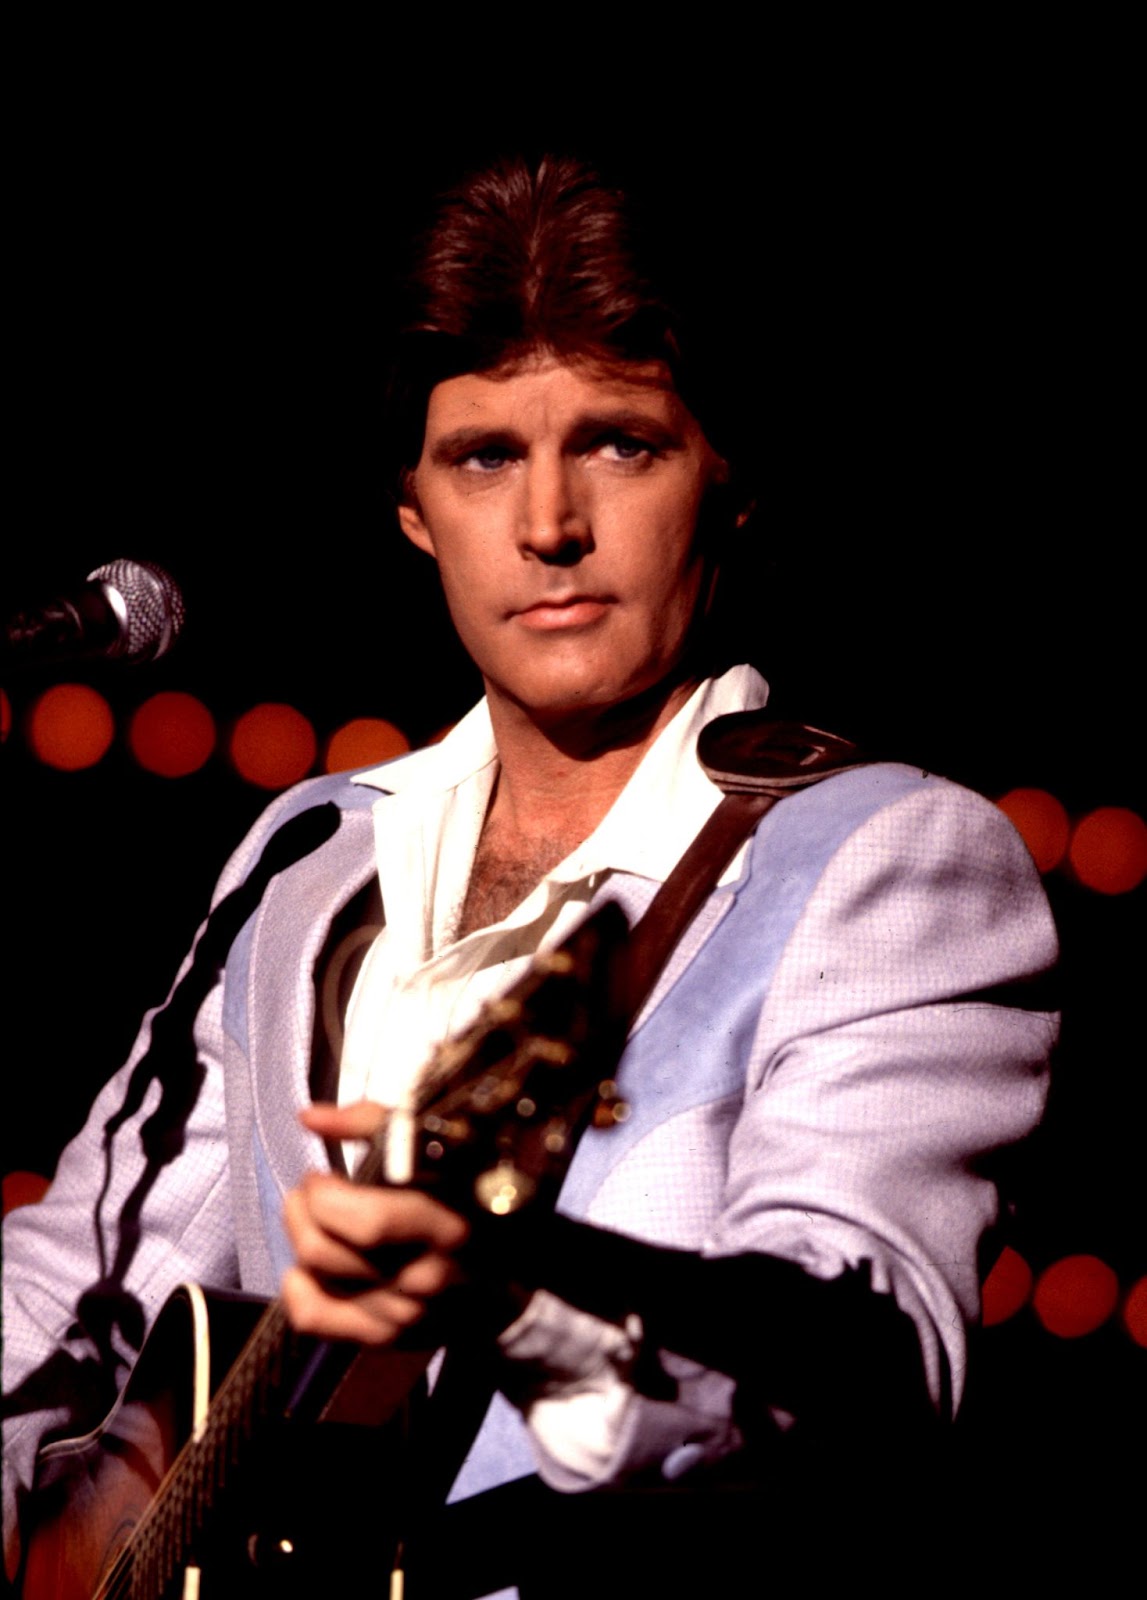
460,441
463,440
626,419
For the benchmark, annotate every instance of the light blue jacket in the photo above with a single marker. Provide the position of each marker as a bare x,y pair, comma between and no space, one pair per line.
837,1041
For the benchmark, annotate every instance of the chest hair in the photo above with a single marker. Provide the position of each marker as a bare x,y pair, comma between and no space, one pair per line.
502,876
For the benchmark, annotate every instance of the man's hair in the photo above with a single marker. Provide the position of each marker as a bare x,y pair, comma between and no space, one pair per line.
549,256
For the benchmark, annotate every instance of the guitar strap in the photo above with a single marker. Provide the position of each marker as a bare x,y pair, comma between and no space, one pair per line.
756,760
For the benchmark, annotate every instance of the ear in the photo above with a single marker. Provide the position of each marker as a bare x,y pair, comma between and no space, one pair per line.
745,513
410,519
733,494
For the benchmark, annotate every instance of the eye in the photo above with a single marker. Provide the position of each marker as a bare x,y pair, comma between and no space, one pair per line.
626,448
486,458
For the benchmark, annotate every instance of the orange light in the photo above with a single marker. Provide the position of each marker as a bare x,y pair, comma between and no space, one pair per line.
364,742
1135,1312
1109,850
22,1189
1041,822
1075,1296
71,727
172,734
273,746
1007,1288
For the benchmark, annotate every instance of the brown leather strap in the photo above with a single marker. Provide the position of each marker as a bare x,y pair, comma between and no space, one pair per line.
756,760
684,892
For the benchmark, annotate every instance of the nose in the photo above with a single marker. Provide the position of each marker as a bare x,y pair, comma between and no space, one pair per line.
555,521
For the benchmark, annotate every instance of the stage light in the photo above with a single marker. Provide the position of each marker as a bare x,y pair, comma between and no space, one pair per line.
172,734
1007,1288
1135,1312
273,746
22,1189
1075,1296
364,742
1109,850
1041,822
70,727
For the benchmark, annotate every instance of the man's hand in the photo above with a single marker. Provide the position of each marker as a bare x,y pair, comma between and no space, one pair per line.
368,1260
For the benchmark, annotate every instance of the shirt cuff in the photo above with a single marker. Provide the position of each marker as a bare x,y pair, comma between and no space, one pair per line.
571,1375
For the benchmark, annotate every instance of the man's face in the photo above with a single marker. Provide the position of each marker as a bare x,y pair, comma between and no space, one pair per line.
561,503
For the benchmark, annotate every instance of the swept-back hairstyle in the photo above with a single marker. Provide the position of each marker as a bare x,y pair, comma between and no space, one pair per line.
523,257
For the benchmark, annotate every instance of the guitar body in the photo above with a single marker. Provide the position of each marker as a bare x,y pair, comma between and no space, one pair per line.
271,1528
93,1490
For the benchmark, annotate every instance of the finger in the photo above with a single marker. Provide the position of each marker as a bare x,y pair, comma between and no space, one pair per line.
320,1252
360,1120
429,1275
404,1267
367,1218
376,1317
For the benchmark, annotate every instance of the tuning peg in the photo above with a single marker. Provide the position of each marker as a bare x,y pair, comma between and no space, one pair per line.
610,1108
550,1052
503,1188
502,1012
558,963
454,1129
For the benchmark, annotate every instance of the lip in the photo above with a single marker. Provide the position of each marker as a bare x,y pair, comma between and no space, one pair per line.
570,611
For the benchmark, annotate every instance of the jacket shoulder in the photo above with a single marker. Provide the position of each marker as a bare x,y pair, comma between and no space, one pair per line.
335,791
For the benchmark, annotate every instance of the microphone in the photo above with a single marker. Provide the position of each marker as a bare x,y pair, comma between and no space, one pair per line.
125,611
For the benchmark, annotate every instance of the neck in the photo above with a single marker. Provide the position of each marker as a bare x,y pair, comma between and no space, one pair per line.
559,777
555,784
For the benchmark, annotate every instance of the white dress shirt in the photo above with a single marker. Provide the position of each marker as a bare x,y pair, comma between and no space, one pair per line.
419,982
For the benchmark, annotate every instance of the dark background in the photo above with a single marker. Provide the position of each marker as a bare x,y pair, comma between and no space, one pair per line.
938,301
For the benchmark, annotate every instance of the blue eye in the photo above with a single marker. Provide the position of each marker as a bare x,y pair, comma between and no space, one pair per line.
488,459
622,447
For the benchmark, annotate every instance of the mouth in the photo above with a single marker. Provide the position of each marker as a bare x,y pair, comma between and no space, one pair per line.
563,611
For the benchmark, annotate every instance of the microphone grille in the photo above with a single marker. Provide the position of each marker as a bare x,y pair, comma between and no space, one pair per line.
151,604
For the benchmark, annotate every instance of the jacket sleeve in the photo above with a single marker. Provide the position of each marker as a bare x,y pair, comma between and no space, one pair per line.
124,1221
901,1052
140,1203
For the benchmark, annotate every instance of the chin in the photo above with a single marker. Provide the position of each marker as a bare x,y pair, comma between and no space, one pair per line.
557,703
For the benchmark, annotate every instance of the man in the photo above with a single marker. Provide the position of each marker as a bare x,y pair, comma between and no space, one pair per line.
844,1035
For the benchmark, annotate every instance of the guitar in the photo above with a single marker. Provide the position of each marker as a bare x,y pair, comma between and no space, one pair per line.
212,1486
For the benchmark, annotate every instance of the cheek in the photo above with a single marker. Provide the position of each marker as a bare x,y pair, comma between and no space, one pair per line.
682,577
474,594
463,605
462,548
672,556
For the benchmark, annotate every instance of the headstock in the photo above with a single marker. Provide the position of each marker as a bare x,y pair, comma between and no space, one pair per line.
510,1095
